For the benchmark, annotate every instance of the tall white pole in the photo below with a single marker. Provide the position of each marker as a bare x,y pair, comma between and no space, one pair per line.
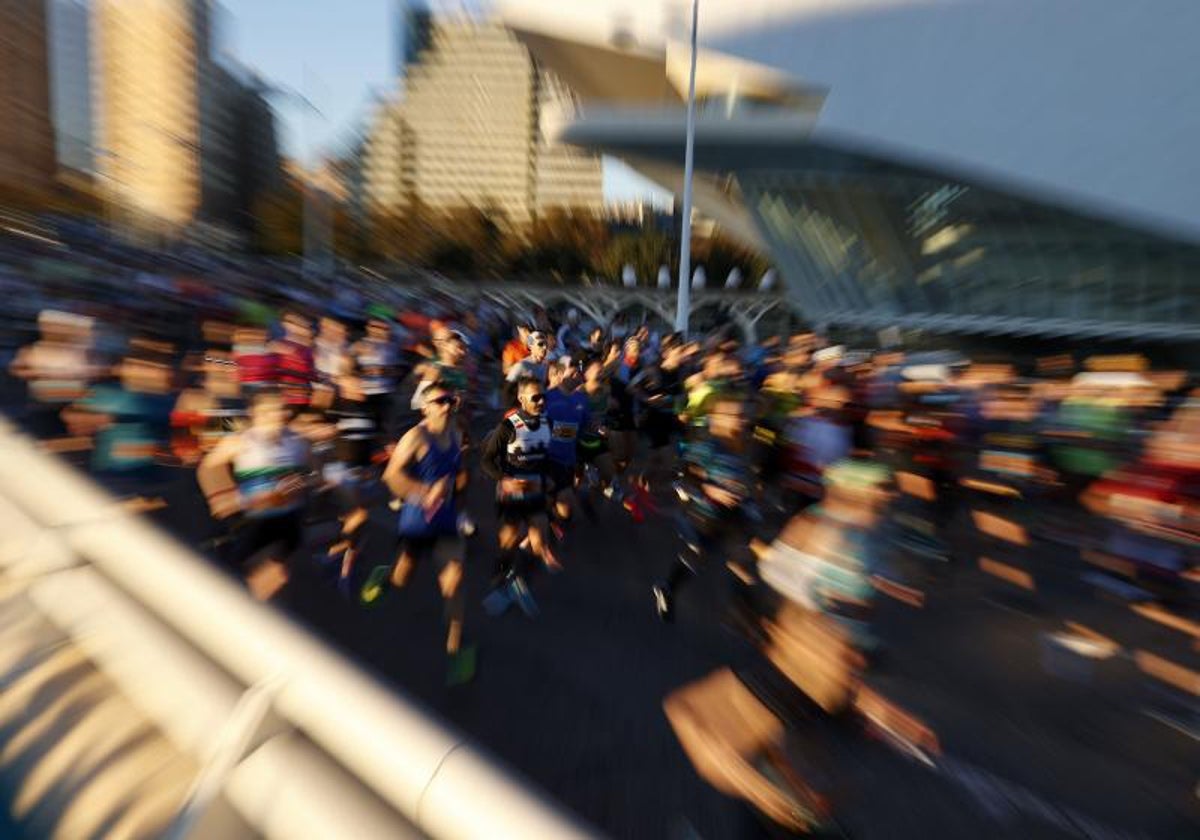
683,303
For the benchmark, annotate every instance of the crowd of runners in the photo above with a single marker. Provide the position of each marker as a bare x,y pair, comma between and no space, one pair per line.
814,478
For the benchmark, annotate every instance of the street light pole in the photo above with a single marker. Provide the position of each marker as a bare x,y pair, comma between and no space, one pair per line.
683,302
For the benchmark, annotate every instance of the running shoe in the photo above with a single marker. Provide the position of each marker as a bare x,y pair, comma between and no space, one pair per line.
664,603
497,602
466,525
635,510
328,564
522,597
375,585
460,666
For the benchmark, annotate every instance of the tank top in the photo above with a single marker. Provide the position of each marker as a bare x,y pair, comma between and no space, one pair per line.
259,467
355,433
378,361
295,372
526,452
257,365
437,463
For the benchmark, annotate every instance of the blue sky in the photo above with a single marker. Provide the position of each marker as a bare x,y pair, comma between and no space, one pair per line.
338,53
335,53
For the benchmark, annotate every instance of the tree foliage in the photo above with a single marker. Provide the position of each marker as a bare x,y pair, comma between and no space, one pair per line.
568,245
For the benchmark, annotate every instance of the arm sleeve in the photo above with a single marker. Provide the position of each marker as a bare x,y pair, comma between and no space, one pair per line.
491,458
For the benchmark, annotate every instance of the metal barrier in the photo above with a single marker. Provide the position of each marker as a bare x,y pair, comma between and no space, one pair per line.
291,739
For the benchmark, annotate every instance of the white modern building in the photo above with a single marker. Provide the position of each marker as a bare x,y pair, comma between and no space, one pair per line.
993,166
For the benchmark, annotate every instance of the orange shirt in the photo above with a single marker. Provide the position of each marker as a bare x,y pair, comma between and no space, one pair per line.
514,352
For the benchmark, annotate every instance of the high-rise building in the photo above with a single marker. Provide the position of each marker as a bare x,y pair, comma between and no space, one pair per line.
256,148
414,30
148,107
566,176
465,130
70,80
169,129
26,133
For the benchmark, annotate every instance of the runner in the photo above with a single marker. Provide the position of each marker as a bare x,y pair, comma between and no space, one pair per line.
571,337
516,349
428,473
296,370
349,471
567,411
534,366
257,479
447,367
379,361
622,423
658,386
717,482
256,362
593,438
331,357
515,456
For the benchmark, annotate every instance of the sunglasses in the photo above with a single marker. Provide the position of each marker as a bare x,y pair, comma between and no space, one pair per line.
537,398
443,400
539,344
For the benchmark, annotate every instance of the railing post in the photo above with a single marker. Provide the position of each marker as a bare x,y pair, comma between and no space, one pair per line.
245,726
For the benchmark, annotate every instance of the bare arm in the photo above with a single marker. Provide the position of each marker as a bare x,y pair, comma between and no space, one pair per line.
395,477
215,476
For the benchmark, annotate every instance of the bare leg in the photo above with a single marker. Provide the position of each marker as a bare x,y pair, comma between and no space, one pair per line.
402,571
450,583
267,578
538,544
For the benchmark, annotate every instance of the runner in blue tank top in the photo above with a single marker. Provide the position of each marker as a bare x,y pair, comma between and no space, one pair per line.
427,473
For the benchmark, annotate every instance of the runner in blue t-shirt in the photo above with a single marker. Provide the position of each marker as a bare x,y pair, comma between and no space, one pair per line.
567,410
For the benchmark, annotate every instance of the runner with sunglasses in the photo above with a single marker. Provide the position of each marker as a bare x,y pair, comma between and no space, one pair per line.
448,367
428,473
516,456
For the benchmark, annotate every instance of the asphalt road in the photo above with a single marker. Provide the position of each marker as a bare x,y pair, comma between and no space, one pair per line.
573,698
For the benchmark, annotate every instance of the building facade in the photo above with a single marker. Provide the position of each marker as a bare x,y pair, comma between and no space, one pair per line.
566,176
180,138
27,153
465,130
989,167
147,96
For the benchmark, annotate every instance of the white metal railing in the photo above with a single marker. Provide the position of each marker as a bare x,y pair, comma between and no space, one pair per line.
289,734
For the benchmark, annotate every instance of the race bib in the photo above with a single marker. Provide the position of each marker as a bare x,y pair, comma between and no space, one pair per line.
565,431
